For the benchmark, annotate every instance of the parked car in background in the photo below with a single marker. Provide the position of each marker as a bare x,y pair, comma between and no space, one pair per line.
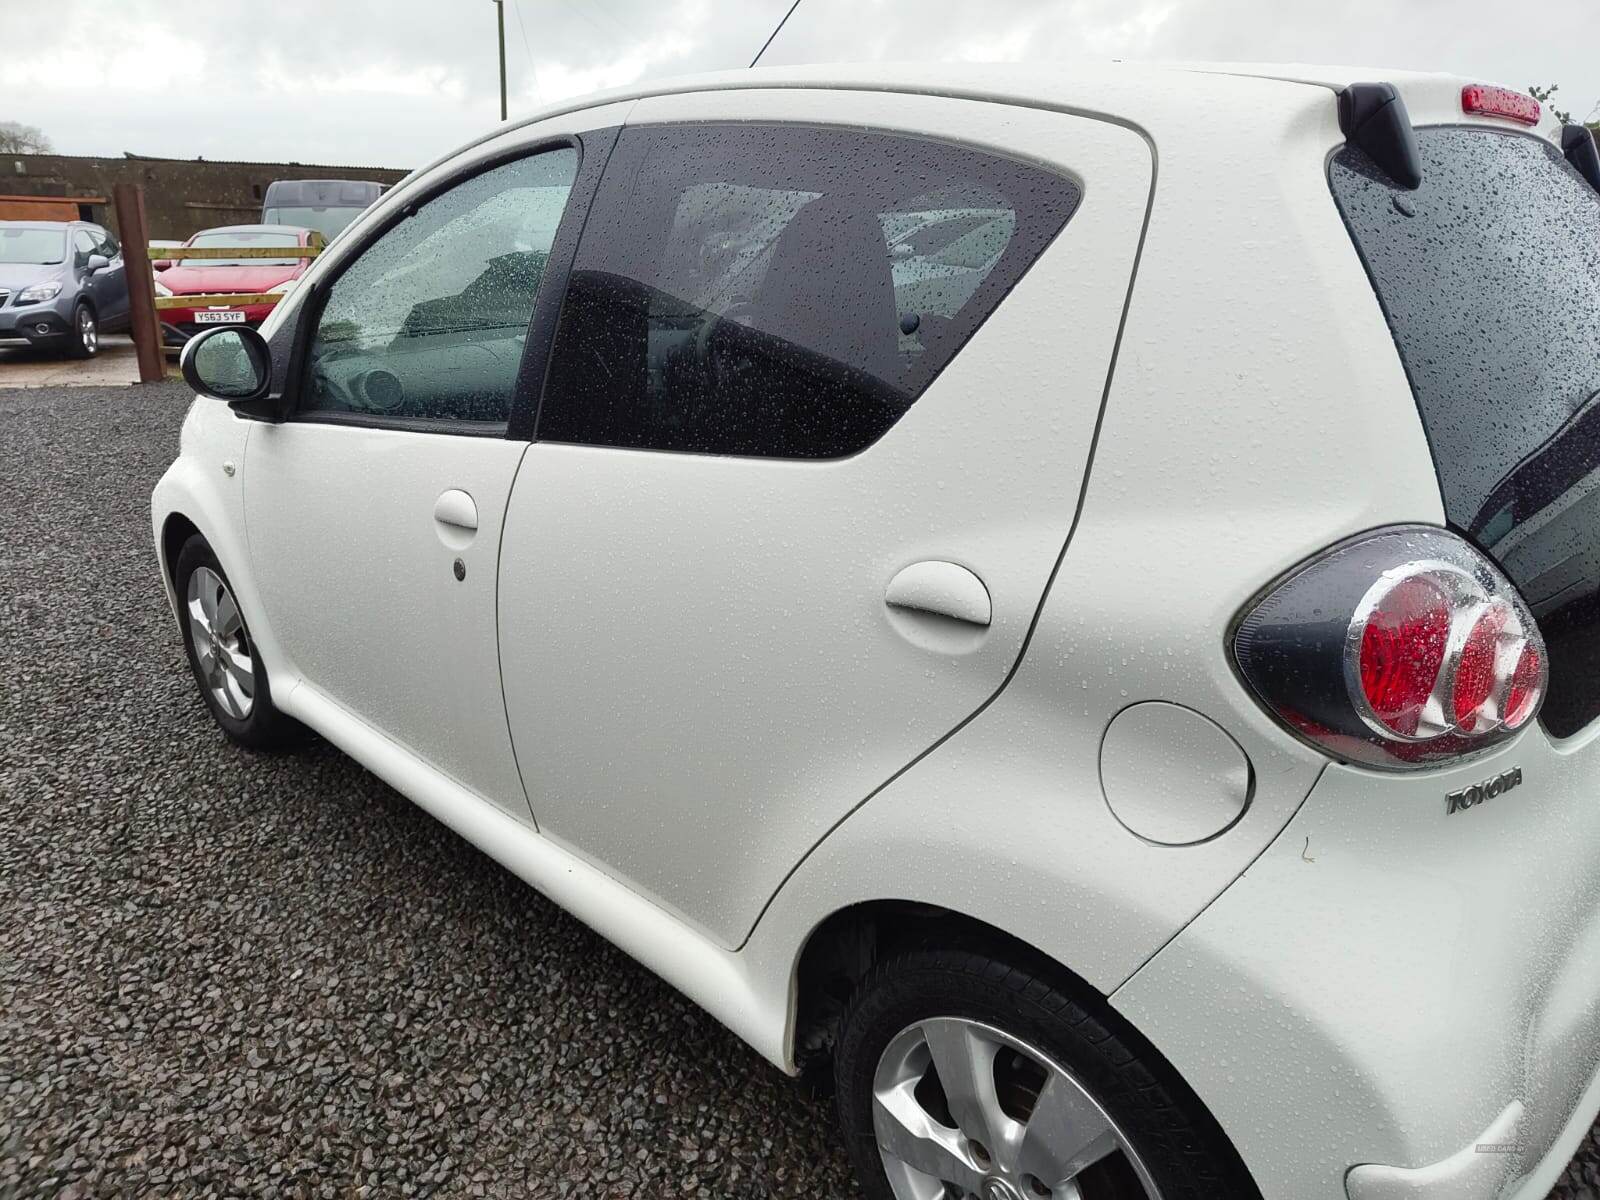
1099,659
62,285
181,276
326,205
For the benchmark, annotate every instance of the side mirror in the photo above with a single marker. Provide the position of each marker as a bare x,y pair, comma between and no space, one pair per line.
228,362
97,263
161,264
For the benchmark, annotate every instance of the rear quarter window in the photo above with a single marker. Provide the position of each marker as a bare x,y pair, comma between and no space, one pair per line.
783,290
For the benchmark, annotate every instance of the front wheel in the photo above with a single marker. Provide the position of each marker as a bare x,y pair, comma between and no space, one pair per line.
85,337
233,681
960,1076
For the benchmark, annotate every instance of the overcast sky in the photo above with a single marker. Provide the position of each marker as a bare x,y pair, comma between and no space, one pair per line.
397,82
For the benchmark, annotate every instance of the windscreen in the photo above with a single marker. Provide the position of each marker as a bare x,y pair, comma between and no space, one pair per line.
41,247
1489,275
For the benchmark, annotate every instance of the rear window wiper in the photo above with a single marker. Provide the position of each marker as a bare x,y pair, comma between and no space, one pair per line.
1577,143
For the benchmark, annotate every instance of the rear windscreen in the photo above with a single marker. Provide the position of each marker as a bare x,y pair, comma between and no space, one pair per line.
237,239
1489,275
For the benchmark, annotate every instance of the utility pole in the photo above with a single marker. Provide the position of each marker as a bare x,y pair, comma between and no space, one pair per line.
500,11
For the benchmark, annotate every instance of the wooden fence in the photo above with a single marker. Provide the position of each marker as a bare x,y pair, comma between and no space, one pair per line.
228,299
143,303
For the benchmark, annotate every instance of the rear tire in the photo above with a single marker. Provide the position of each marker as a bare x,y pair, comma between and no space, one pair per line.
1034,1050
84,340
222,657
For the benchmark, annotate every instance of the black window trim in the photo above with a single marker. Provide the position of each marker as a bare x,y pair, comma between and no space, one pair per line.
528,391
593,148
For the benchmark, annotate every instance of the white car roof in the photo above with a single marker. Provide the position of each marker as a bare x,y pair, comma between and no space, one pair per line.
1180,101
1118,89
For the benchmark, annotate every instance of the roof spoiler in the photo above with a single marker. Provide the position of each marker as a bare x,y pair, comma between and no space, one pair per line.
1577,143
1374,117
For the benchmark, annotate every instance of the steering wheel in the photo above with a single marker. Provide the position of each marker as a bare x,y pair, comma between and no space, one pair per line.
383,392
706,354
329,388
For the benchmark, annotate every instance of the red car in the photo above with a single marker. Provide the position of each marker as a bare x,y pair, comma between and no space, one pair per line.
214,276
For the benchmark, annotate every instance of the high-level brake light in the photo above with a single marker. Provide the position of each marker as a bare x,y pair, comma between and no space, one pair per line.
1399,649
1484,100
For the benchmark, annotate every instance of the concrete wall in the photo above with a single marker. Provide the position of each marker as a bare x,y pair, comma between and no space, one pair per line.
181,195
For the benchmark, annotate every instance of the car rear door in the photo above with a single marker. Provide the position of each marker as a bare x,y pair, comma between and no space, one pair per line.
818,411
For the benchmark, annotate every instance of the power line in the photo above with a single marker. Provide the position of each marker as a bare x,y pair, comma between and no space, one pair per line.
596,6
516,7
587,11
775,33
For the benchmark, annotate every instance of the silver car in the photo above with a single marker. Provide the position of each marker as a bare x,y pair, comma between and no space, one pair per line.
62,284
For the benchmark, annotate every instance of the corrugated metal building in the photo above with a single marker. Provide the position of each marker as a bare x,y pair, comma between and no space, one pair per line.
181,195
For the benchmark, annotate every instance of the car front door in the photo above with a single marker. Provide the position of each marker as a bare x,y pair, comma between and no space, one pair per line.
90,285
112,281
816,420
374,510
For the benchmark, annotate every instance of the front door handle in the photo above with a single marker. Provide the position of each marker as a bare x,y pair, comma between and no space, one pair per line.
456,508
946,589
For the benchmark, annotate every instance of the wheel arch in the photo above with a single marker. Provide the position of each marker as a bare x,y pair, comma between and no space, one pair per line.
195,497
846,944
842,950
175,531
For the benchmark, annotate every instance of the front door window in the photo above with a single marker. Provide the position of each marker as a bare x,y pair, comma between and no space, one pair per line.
429,322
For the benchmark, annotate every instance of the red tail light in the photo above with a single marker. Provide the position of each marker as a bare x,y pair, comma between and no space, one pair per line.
1400,649
1528,681
1478,672
1485,101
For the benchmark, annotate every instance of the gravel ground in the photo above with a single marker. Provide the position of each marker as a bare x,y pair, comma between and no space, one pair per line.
223,973
226,974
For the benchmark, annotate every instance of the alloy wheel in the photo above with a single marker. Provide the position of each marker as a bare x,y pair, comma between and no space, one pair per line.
88,331
221,645
964,1111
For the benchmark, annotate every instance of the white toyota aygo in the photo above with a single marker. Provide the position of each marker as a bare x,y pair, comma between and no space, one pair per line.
1067,601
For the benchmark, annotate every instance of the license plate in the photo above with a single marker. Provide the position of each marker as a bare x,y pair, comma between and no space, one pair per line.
219,318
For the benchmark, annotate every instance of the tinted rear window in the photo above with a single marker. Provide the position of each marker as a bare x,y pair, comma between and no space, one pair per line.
235,239
329,222
783,290
325,192
1489,275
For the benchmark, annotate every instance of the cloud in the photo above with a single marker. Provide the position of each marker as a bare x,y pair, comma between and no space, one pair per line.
398,82
560,81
